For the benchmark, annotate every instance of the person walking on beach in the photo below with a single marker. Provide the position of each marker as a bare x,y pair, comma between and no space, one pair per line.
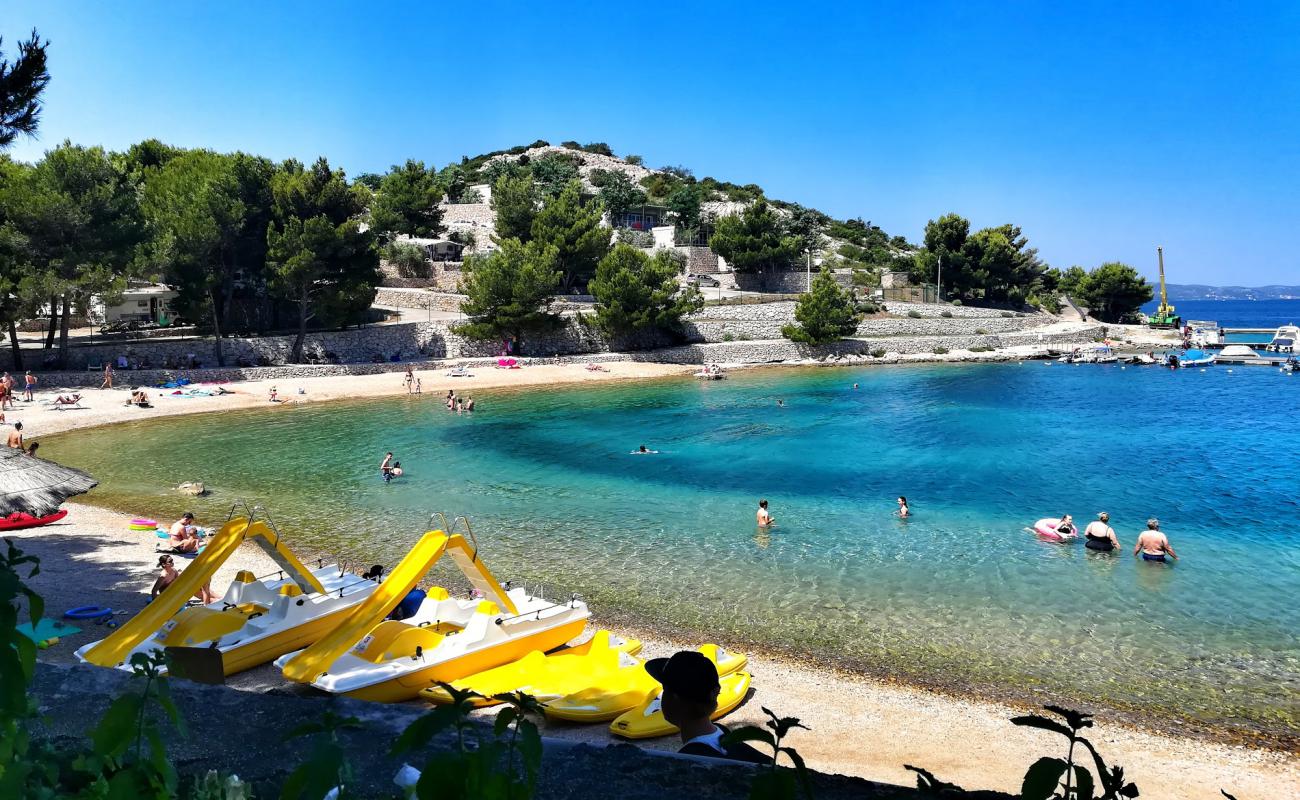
1153,544
1100,535
409,380
6,391
108,376
765,520
29,381
689,698
16,436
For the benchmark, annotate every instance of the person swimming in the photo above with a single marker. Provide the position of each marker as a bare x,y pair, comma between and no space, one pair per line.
1066,526
765,519
903,510
643,451
1100,535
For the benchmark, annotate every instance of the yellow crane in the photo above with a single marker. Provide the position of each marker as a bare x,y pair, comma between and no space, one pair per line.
1164,316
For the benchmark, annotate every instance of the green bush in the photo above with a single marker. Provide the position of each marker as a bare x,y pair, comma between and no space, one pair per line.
914,314
946,314
634,160
642,239
981,348
940,350
728,337
1007,315
981,332
956,302
409,260
879,352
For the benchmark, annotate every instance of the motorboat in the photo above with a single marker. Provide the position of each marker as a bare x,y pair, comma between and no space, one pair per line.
256,620
1097,354
1284,340
1191,357
369,656
1240,354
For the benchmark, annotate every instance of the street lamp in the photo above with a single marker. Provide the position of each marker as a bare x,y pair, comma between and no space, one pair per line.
938,288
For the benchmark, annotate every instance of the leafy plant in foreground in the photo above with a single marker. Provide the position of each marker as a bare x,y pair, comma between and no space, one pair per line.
1075,782
774,782
503,767
327,767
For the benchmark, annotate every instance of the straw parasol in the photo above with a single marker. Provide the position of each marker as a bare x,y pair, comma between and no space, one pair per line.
35,486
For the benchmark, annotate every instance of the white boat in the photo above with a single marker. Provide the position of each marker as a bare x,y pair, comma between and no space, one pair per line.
1284,340
1239,354
1096,354
1204,333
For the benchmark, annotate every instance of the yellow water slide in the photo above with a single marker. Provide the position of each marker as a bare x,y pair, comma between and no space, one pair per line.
112,650
308,665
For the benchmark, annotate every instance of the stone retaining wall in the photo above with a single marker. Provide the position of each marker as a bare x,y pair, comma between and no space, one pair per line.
937,309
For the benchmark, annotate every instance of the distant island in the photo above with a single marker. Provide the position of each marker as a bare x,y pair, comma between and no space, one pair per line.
1196,291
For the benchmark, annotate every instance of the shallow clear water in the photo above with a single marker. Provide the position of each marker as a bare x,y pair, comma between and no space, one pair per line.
961,593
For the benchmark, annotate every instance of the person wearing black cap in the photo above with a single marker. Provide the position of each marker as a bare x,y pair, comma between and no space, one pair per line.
690,697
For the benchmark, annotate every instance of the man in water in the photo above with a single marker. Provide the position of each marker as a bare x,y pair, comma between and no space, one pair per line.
184,534
689,698
1153,544
765,520
16,436
385,467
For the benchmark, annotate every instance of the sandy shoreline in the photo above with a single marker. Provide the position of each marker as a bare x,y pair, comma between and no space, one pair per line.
860,726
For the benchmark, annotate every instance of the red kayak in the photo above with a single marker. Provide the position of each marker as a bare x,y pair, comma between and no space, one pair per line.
18,520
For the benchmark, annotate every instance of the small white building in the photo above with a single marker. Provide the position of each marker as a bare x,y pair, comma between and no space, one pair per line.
145,302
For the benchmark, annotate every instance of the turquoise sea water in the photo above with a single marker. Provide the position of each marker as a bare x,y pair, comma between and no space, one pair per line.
960,594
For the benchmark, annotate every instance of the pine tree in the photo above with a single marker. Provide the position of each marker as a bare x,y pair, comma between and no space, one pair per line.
574,229
635,292
825,314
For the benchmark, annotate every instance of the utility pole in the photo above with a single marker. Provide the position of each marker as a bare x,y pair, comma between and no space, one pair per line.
809,289
938,288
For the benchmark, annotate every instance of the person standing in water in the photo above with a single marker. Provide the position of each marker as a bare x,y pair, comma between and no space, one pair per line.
765,520
1100,535
1153,544
903,511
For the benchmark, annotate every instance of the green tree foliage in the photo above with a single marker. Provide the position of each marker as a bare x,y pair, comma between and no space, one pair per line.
993,264
22,82
407,202
619,194
755,240
635,292
16,300
409,260
574,229
552,172
1113,291
318,257
807,225
207,216
514,200
508,292
826,313
80,216
1069,281
684,203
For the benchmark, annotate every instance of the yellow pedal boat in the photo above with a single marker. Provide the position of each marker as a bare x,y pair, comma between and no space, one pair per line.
646,721
545,676
626,688
256,620
370,657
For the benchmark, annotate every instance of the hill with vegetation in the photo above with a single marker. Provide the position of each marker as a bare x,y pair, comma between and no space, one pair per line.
1197,291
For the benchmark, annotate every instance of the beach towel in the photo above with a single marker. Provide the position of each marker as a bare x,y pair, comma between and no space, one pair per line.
46,629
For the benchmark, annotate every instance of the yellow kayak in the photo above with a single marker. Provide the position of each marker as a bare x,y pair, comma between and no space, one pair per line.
545,676
647,721
626,688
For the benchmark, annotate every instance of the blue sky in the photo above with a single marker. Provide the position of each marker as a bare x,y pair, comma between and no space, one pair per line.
1102,129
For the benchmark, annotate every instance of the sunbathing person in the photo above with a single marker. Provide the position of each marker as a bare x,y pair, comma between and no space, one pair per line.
184,534
169,576
68,400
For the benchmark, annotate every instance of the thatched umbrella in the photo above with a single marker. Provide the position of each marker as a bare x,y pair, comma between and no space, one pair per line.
35,486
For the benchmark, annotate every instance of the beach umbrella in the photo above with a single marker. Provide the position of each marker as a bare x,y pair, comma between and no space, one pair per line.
35,486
